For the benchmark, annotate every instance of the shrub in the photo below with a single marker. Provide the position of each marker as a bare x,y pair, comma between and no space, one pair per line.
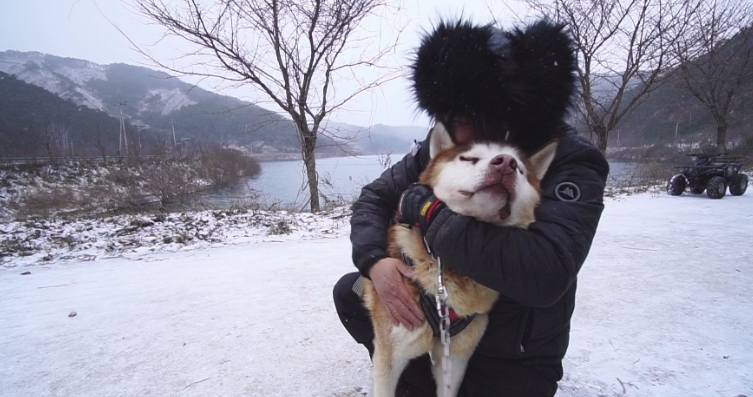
223,167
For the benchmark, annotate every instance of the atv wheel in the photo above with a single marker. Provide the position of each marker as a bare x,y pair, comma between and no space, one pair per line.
697,189
676,185
739,185
716,188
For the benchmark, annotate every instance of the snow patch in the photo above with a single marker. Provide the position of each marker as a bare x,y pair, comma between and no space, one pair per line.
168,101
49,78
82,75
49,241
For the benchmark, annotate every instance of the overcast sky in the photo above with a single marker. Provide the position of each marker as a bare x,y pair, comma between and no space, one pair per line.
80,29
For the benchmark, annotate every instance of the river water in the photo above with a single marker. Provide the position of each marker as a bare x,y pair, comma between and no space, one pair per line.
281,183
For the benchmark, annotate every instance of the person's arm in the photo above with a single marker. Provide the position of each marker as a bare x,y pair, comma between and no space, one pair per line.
533,266
376,207
372,215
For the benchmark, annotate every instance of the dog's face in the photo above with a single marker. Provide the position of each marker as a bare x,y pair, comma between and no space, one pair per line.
491,182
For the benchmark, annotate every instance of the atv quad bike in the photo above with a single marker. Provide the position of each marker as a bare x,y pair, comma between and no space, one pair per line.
712,173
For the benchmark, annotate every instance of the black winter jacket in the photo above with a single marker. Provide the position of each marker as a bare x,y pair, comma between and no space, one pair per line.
533,269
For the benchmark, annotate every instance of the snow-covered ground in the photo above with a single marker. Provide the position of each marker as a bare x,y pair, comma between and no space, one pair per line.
665,308
49,241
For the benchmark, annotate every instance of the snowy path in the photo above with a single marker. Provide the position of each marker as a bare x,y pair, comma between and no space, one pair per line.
665,300
665,308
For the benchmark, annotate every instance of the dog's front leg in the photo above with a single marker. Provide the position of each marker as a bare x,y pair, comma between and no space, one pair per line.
394,347
457,367
388,366
462,347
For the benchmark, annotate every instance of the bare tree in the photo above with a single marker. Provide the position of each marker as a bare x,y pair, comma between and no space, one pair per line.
623,50
717,57
99,142
160,146
295,53
54,138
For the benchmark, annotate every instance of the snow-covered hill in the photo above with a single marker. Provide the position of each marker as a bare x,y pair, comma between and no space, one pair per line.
158,103
65,77
71,79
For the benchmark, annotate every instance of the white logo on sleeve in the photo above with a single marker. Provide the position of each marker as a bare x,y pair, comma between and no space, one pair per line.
567,191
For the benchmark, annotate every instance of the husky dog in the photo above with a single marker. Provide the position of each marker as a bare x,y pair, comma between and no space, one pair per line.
491,182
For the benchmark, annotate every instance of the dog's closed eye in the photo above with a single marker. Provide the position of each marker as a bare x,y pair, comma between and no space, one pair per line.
472,160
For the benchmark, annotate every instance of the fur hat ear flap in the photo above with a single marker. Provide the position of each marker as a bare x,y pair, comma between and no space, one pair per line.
520,81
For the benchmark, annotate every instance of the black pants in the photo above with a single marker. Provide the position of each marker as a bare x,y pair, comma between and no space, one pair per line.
485,376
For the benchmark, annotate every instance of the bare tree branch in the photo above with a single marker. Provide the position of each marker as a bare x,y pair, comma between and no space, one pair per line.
292,51
716,58
623,50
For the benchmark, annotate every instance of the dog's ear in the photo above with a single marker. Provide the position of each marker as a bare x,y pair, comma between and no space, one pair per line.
440,139
542,159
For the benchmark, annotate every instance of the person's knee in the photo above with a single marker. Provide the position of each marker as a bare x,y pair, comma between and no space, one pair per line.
353,314
343,293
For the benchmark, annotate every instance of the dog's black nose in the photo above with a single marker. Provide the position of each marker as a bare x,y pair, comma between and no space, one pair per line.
504,163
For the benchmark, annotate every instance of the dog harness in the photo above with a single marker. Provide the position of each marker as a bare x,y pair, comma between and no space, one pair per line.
429,306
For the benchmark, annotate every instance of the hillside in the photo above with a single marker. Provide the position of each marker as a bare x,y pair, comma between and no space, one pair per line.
154,103
672,115
36,122
672,108
379,138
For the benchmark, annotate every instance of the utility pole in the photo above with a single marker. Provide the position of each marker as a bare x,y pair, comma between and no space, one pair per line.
138,131
172,121
123,138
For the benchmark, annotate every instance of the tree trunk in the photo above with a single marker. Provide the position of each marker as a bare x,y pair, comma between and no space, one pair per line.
313,180
309,160
721,136
602,134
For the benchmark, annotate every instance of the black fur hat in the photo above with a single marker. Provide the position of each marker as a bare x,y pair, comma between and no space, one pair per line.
520,81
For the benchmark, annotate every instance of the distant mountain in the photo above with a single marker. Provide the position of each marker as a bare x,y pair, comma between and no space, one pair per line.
154,103
605,86
671,114
377,139
36,122
385,138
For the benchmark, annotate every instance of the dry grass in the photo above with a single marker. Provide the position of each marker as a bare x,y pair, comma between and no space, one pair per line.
649,175
90,188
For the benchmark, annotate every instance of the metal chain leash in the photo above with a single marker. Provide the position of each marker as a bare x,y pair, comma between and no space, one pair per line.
444,322
444,328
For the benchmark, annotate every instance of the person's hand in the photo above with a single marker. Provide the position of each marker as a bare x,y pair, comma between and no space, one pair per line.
387,275
418,207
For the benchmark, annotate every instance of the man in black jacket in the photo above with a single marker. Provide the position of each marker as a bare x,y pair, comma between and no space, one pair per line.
486,84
